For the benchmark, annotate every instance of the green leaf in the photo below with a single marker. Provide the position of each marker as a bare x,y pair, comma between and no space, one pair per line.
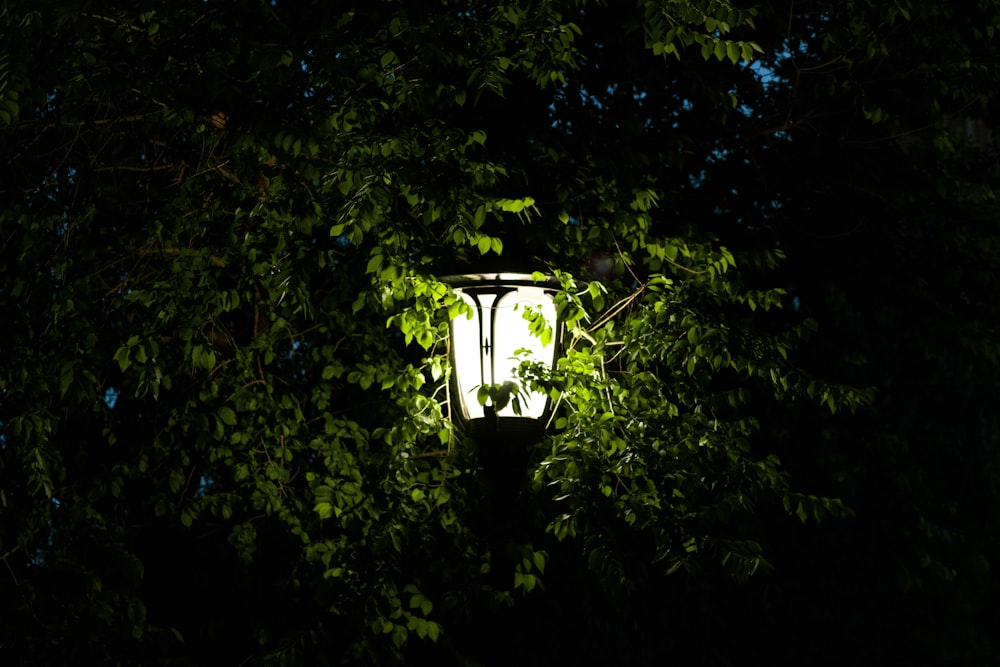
66,378
801,512
539,558
227,415
122,357
733,51
484,244
720,50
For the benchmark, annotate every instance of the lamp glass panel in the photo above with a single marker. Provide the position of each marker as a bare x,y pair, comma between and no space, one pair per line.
467,335
511,333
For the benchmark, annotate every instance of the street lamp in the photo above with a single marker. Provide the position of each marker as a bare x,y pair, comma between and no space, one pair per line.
489,345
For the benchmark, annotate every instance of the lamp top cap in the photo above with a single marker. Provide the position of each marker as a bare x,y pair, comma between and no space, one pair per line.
499,278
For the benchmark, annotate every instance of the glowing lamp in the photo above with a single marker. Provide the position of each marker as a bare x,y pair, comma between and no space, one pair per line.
488,347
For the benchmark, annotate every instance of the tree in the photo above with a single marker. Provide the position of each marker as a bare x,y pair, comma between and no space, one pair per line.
224,433
899,103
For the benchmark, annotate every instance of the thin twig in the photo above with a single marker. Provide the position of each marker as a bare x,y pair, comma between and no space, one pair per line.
617,308
622,255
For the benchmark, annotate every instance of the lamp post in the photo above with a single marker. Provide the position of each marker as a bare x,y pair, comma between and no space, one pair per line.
489,345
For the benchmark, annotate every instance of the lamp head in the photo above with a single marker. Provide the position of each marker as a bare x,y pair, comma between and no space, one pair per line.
512,320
